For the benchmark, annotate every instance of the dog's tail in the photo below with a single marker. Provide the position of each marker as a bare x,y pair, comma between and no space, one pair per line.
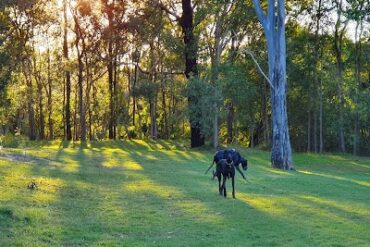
210,167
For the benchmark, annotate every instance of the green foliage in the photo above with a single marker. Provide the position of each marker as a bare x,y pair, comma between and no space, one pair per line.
13,141
146,89
204,98
131,132
239,88
141,33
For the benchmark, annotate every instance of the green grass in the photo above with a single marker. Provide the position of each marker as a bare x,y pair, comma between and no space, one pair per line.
135,193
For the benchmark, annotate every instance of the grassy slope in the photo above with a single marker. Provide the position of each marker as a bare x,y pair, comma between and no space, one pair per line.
139,194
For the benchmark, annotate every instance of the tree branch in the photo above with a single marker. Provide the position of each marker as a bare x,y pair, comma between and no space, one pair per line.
167,10
258,66
147,72
260,14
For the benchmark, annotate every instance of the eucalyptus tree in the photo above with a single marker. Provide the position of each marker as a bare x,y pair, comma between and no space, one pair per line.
217,41
241,24
80,14
114,39
25,18
319,14
273,23
339,34
358,11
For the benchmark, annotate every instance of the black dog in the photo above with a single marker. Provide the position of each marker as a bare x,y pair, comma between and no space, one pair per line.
235,156
226,168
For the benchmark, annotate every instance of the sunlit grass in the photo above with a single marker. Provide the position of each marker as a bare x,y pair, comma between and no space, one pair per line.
146,193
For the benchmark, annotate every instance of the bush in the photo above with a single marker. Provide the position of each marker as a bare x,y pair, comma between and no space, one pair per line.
131,132
12,141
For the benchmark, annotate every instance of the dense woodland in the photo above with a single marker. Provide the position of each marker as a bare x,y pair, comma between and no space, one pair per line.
116,69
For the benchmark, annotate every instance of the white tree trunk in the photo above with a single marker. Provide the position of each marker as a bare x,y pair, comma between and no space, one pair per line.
274,27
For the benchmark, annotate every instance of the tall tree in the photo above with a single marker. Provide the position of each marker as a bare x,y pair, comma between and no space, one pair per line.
48,90
27,72
273,23
186,22
67,74
38,78
358,11
220,29
191,66
339,32
81,51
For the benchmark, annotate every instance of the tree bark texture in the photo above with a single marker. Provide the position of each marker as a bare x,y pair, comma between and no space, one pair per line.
30,102
230,122
50,99
191,69
68,126
81,107
338,44
274,27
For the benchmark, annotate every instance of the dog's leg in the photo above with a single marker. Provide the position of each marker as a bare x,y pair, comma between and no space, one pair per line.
233,183
240,171
219,184
224,184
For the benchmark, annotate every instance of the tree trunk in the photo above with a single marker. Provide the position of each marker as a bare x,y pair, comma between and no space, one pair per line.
265,115
316,71
281,156
75,122
172,109
215,61
111,104
111,74
338,44
80,55
115,80
356,135
165,129
89,83
274,28
309,132
81,102
153,117
40,97
31,114
41,106
191,69
134,96
230,106
50,100
81,108
321,135
68,126
215,127
230,122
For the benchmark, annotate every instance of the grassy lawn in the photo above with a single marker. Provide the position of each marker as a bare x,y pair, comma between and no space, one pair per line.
134,193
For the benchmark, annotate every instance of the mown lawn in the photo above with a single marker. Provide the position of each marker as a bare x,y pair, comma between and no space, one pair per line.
135,193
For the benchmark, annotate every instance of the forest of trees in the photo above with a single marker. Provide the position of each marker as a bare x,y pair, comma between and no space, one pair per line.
115,69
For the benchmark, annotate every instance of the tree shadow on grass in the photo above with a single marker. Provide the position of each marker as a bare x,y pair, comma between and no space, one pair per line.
92,195
315,218
169,201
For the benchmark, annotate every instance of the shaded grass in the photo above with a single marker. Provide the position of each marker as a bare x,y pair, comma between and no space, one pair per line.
137,193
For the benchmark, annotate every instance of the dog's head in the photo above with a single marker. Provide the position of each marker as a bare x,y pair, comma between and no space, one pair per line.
229,158
244,163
